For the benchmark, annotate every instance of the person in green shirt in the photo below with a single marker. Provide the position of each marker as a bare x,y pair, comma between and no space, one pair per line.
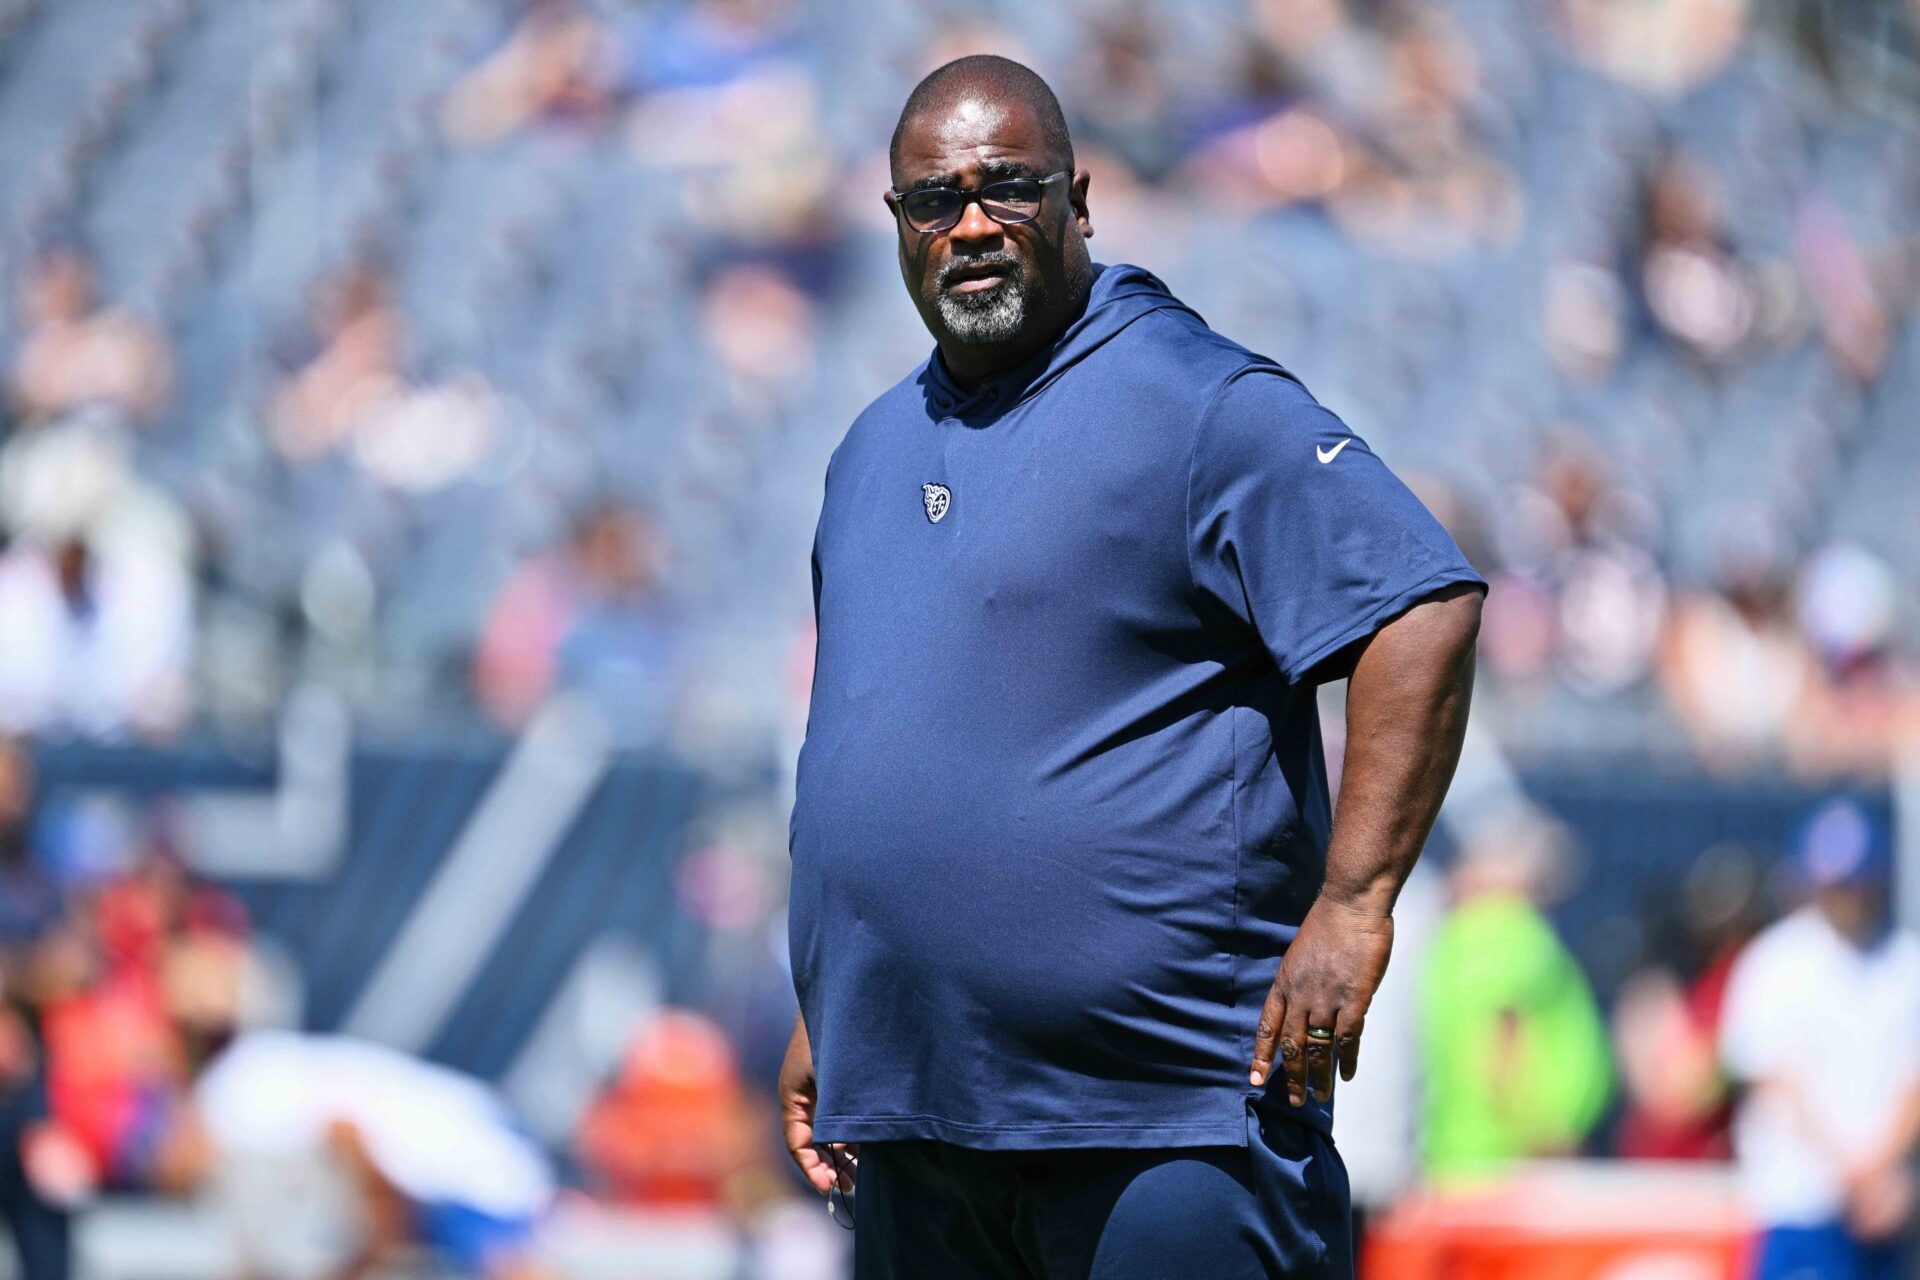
1514,1051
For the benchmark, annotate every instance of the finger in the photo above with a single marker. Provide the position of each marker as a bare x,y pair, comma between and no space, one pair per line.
1319,1053
1293,1057
846,1163
796,1127
1346,1041
816,1168
1267,1034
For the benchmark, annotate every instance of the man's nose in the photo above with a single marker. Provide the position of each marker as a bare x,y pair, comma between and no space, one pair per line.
974,227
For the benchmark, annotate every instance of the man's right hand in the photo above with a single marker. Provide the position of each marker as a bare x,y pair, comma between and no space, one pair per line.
797,1097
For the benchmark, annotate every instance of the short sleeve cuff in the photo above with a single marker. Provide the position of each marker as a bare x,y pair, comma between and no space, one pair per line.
1325,643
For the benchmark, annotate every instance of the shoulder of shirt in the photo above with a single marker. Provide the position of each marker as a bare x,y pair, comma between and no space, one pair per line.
1789,940
1791,934
1209,357
1216,366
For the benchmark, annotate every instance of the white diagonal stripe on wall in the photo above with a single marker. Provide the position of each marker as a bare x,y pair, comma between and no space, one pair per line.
485,879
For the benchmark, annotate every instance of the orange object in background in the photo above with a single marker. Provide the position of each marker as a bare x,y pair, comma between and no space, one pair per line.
675,1127
1569,1220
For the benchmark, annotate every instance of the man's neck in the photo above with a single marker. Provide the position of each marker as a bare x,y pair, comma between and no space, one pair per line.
972,366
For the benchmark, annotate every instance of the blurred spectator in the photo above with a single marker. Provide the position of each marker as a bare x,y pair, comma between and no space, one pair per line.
1665,45
1862,708
1839,277
44,1170
590,616
356,336
44,1174
1515,1053
1823,1029
92,642
1667,1020
675,1127
1122,97
559,65
433,1160
30,900
1669,1073
76,353
1694,287
134,991
1584,599
708,44
96,591
1733,664
355,394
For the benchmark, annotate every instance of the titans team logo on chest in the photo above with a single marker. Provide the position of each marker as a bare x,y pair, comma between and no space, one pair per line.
937,498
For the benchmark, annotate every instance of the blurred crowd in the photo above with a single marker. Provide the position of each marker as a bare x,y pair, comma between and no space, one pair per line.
453,353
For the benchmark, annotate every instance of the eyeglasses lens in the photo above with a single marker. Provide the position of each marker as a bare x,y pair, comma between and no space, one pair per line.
941,208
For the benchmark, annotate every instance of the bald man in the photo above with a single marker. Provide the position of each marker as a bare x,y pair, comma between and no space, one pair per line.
1066,878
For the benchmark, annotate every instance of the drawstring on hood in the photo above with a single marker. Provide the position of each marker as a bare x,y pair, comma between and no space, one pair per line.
1121,294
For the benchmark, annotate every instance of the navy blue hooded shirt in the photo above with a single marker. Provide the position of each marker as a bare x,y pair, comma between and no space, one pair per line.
1061,802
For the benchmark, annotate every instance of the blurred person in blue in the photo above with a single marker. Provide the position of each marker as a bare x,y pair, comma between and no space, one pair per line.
1079,939
1822,1029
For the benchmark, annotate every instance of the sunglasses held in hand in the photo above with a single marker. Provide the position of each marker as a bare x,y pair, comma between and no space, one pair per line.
845,1167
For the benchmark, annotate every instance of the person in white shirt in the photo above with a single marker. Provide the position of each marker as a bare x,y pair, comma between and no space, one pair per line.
1822,1028
433,1158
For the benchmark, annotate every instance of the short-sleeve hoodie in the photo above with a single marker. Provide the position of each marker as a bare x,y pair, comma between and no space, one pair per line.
1061,802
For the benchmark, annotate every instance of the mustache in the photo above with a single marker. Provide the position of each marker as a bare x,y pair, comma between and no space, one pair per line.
1001,259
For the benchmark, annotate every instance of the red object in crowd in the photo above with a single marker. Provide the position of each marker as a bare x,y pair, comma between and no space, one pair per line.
112,1061
1569,1220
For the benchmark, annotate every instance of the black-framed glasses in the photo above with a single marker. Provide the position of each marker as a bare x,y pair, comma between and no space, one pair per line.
1011,201
840,1203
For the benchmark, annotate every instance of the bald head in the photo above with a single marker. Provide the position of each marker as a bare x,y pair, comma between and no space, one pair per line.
1011,274
992,81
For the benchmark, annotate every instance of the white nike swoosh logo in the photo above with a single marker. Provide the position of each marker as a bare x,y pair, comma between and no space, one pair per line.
1328,455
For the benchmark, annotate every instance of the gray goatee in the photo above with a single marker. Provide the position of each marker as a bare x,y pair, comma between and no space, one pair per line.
996,315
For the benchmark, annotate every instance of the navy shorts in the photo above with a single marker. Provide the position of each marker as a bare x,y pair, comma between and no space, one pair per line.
927,1210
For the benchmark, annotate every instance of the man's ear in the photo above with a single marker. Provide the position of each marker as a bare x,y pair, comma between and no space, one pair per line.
892,202
1077,195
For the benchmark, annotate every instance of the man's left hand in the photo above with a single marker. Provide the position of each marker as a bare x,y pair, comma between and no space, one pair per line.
1326,980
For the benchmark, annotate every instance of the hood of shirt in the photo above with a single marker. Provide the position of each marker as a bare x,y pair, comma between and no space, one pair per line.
1121,294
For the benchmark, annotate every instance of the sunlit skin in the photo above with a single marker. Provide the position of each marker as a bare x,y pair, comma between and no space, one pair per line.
968,144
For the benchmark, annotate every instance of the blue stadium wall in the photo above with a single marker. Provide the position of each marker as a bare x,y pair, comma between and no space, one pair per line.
1636,833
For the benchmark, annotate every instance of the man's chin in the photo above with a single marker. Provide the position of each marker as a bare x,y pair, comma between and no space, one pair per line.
984,316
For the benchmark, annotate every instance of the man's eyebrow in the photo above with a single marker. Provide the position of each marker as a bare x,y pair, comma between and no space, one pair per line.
990,170
933,180
995,169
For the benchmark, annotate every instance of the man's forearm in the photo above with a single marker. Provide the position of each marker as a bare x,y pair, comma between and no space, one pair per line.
1407,705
